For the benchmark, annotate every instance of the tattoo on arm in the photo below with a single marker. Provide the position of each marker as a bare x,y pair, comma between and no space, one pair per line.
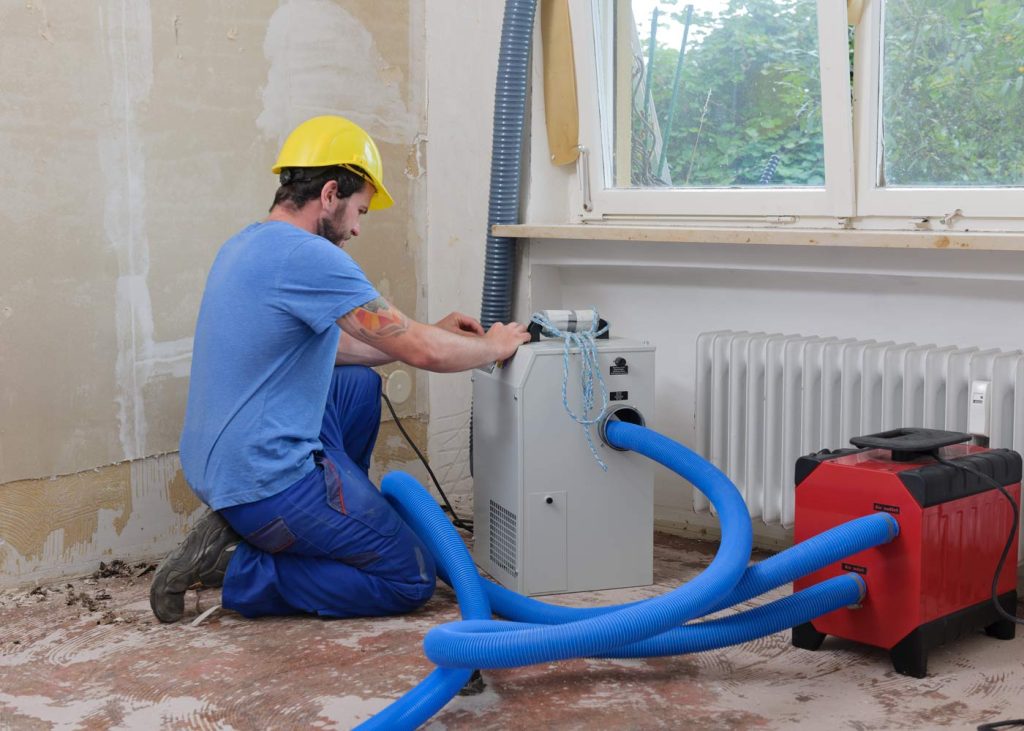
378,320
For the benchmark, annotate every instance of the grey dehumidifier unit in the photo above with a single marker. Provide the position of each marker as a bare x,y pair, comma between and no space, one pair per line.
547,518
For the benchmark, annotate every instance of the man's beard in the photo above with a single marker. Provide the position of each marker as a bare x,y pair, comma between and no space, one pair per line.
326,228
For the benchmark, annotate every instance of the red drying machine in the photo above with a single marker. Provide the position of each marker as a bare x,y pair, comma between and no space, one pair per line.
934,581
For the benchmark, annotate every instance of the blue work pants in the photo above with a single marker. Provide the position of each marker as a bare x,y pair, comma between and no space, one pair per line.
330,544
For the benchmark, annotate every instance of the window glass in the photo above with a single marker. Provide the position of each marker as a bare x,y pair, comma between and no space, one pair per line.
717,93
952,93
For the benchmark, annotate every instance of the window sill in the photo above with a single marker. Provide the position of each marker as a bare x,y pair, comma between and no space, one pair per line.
884,239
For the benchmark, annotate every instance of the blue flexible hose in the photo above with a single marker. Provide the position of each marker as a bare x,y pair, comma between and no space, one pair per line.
417,508
641,629
782,568
803,606
508,644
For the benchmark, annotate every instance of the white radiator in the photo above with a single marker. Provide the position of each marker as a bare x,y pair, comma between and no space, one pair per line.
765,399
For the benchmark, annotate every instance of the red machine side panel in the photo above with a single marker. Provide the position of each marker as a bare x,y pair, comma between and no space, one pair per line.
834,494
942,562
961,544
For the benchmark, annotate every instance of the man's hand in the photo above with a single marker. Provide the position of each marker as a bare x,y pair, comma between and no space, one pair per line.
460,324
507,338
459,345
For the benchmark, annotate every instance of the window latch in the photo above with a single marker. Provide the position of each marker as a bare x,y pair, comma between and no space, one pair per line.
583,172
949,218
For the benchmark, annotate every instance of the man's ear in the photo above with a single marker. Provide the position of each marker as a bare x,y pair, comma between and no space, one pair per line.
329,193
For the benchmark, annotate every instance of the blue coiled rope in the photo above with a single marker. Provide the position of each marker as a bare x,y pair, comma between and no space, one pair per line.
647,628
585,342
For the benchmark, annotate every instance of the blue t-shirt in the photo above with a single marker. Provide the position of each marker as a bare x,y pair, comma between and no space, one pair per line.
262,360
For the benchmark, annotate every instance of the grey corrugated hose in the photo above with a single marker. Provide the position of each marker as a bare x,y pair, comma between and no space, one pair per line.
506,158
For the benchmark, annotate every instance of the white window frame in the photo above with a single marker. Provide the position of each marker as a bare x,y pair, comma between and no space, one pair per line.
834,199
917,203
850,197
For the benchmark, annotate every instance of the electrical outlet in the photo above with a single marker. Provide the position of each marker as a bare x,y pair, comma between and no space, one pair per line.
398,386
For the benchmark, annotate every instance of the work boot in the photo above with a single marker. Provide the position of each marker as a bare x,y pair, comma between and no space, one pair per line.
198,563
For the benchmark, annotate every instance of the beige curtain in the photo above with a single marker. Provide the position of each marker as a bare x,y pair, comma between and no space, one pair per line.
561,110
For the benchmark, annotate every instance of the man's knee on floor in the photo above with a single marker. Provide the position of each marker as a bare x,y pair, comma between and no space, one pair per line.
412,592
410,597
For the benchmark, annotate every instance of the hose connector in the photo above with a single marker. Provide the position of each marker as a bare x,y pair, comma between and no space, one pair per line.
863,585
618,412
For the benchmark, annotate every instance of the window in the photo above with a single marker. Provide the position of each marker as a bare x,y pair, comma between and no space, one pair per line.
943,90
743,110
725,96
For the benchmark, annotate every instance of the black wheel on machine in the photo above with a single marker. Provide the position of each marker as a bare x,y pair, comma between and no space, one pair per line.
806,637
910,655
1004,629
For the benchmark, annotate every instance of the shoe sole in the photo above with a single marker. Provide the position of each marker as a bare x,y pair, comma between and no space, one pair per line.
165,598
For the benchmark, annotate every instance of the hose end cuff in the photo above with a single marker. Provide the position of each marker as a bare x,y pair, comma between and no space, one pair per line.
620,412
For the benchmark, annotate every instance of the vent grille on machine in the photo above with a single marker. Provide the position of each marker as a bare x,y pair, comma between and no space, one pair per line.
503,538
763,400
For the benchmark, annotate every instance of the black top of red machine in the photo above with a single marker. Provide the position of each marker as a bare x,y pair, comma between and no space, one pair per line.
910,453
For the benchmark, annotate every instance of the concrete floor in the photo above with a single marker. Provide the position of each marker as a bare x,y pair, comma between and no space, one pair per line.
89,655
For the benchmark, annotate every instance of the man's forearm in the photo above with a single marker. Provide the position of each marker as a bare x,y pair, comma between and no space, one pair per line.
355,352
383,327
442,351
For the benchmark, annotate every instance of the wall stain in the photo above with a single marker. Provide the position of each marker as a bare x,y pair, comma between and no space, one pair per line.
30,510
183,500
412,163
391,445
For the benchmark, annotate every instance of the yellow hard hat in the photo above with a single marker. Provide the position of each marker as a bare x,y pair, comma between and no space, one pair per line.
332,140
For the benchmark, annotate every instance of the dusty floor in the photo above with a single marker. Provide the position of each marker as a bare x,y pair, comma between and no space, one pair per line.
89,655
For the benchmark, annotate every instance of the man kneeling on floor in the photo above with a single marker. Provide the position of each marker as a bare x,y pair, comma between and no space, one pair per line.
283,408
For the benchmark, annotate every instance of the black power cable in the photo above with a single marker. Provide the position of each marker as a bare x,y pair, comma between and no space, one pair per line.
1009,540
466,525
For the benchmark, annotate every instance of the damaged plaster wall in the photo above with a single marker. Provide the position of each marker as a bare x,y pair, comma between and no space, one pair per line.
137,137
462,61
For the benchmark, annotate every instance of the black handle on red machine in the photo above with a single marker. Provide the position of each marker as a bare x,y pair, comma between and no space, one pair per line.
907,444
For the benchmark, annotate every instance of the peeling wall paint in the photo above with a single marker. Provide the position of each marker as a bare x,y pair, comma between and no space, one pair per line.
323,60
66,525
71,506
138,137
121,126
128,46
393,451
461,66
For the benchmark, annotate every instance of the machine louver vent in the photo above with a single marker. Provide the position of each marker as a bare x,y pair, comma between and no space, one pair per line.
503,538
